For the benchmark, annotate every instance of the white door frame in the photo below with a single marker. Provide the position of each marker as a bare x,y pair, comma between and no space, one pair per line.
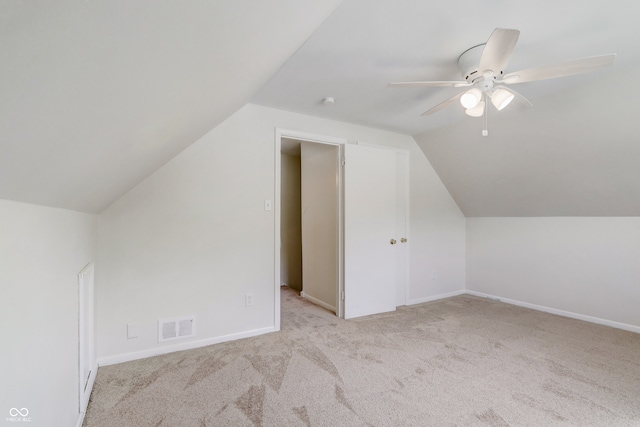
322,139
85,311
404,154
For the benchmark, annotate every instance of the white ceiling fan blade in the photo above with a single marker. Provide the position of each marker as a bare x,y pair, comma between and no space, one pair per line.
519,102
443,104
430,84
562,69
497,51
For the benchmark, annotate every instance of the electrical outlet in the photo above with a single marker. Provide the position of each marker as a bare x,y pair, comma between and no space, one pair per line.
248,299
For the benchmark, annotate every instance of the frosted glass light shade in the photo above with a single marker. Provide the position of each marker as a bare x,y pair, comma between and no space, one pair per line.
501,98
471,98
476,111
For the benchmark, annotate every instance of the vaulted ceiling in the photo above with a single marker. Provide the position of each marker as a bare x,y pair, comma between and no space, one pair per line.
97,95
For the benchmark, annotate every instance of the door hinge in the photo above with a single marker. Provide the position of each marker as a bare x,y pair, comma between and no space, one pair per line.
342,161
342,296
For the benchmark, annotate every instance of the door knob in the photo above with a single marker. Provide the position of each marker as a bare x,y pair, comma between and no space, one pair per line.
403,240
393,241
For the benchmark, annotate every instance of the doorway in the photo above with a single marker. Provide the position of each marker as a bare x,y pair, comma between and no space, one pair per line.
310,220
370,201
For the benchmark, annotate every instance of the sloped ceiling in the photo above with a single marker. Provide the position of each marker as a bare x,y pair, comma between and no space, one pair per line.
96,95
576,152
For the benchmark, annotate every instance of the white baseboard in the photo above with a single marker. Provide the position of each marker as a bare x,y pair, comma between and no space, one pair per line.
127,357
316,301
599,321
92,380
143,354
435,297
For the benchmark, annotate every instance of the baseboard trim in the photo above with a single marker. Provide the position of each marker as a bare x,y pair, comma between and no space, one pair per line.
316,301
84,405
143,354
572,315
435,297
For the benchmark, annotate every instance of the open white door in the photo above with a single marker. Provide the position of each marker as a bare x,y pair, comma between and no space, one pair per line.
319,193
369,231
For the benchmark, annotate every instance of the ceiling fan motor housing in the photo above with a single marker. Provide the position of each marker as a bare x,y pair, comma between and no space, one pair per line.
468,63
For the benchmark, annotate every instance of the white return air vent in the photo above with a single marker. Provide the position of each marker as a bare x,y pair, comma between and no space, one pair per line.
173,329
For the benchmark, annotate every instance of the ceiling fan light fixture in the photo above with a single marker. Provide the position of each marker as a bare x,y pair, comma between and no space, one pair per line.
471,98
476,111
501,98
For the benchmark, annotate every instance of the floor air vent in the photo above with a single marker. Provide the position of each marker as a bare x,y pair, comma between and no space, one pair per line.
173,329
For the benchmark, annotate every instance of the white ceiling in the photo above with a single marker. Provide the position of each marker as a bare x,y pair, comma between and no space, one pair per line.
575,153
95,96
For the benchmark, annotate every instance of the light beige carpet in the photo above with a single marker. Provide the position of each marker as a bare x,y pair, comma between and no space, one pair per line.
462,361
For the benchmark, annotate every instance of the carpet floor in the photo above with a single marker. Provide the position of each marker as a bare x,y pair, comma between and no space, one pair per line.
461,361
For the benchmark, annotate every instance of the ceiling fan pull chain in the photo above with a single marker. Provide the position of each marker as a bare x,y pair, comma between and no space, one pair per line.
485,131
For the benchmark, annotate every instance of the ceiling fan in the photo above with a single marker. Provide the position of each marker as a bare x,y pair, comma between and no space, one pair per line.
482,68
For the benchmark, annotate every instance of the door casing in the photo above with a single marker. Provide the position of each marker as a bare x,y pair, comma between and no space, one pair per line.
86,358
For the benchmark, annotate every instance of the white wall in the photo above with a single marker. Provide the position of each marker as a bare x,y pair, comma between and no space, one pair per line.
194,237
586,266
437,232
42,250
